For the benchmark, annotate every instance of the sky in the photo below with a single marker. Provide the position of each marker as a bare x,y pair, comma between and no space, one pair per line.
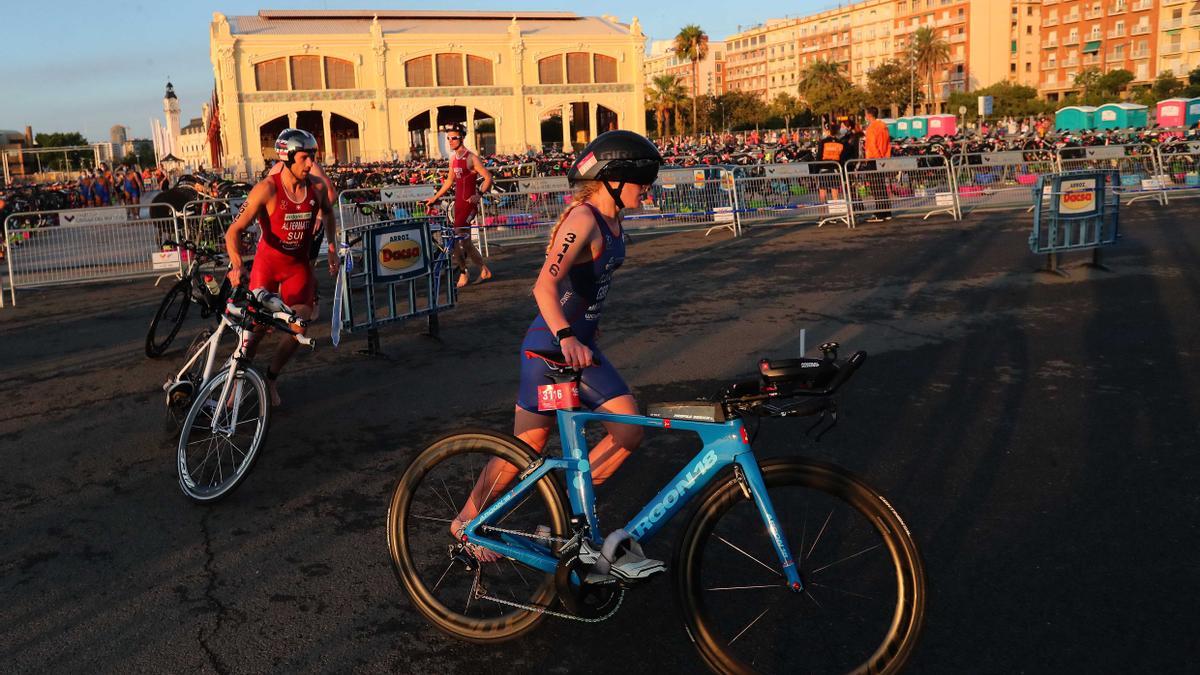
85,66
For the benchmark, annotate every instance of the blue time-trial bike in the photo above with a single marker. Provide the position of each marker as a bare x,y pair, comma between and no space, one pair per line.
784,565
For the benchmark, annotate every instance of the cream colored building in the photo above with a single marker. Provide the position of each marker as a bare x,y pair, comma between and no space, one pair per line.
1178,37
193,142
871,41
377,85
710,75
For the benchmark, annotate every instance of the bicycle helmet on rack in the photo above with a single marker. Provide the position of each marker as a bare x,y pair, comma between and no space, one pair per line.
291,141
617,156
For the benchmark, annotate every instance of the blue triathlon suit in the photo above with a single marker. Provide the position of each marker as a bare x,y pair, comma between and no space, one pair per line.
582,299
100,192
85,191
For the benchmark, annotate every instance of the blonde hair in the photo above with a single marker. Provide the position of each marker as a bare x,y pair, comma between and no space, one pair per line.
583,190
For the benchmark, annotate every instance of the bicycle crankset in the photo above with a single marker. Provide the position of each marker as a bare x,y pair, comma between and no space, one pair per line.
583,599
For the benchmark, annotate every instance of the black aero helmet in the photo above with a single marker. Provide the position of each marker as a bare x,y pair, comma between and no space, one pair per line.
291,141
617,156
455,127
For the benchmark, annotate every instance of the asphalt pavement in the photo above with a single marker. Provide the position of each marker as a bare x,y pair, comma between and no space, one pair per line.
1038,434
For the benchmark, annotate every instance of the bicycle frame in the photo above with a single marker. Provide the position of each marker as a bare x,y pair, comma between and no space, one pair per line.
725,444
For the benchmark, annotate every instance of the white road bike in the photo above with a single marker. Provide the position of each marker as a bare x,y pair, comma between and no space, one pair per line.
227,410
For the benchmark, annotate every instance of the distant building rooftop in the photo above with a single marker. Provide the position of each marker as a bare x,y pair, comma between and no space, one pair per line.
401,22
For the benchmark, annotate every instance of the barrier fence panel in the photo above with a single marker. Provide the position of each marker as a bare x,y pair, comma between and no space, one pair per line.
204,221
794,193
901,186
1141,177
1181,169
81,245
1000,180
526,212
1079,211
692,198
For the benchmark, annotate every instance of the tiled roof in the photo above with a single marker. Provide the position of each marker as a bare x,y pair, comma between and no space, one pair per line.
335,22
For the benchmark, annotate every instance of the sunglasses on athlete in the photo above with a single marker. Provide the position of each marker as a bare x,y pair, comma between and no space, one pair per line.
454,138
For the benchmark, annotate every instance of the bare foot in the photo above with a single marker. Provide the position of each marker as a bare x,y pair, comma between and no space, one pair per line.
463,280
484,275
275,400
483,555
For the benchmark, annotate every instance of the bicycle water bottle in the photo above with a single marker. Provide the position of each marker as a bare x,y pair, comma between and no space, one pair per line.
211,283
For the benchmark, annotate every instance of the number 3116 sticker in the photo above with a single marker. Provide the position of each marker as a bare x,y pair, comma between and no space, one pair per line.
563,396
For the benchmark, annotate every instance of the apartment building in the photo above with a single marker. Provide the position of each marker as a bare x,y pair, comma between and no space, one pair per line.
1178,36
871,37
1024,48
710,76
1106,34
746,57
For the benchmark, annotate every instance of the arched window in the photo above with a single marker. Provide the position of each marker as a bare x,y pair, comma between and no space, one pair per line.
418,72
306,72
578,68
606,68
450,70
271,75
550,69
339,73
479,71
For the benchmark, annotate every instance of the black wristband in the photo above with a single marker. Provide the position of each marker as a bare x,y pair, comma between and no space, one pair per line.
564,334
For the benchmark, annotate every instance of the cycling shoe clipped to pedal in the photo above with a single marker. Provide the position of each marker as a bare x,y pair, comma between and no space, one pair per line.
621,557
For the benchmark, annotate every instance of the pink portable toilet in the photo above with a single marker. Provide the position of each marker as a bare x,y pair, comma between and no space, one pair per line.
942,125
1171,113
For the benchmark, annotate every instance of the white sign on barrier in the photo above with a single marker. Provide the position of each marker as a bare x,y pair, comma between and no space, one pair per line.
94,216
1078,197
406,193
944,199
669,178
722,214
547,184
786,170
165,260
837,207
1106,152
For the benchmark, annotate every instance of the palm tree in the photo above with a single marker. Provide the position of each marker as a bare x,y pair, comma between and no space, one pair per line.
821,84
665,94
692,44
929,53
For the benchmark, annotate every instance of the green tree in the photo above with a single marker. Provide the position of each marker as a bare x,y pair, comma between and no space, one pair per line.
1166,85
692,44
891,83
1087,79
60,139
786,106
929,54
1008,100
68,161
823,86
742,110
659,99
1192,89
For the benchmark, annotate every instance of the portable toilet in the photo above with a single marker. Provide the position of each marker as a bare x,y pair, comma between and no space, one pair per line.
1075,118
918,127
902,127
1171,113
1121,116
891,126
1193,111
943,125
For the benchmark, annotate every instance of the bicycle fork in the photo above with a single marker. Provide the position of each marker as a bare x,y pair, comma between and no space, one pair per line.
750,479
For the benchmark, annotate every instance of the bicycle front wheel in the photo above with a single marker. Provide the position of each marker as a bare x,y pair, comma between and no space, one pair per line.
169,319
863,602
430,496
222,434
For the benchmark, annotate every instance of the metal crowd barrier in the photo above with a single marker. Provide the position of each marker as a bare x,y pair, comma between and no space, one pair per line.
527,211
204,221
901,186
46,248
794,193
1181,170
1000,180
1141,177
1079,211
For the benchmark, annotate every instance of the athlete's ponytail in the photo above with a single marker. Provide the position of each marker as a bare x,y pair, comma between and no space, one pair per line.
583,190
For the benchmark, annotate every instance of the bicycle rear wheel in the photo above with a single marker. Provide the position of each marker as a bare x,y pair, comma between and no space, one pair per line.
863,602
428,498
169,318
222,435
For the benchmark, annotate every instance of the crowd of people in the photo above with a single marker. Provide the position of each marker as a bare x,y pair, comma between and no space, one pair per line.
120,185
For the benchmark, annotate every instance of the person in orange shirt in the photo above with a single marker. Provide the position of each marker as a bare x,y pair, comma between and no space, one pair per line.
877,145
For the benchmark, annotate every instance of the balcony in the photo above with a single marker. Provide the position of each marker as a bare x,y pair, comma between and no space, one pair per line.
1117,8
1171,48
1194,46
1168,3
955,39
1050,44
1140,29
1051,79
1193,20
1071,40
1116,33
1143,5
1049,65
1070,18
1069,63
1052,21
1115,57
1091,60
1170,24
1141,54
1089,14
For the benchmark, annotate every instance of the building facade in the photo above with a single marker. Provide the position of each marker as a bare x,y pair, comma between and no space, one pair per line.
378,85
1179,36
1104,34
710,73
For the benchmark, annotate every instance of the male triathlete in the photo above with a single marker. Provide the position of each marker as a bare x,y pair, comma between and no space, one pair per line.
464,168
286,204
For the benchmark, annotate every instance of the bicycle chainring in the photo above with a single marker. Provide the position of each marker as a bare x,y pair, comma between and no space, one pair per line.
583,599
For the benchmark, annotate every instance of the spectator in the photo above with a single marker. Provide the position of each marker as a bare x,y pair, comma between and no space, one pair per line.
877,145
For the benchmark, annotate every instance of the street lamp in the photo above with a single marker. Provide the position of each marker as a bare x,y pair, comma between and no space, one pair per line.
722,104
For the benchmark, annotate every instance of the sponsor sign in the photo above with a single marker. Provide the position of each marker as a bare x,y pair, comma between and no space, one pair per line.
400,252
669,178
164,260
944,199
723,214
547,184
837,207
786,170
94,216
727,182
1106,152
698,179
1077,197
407,193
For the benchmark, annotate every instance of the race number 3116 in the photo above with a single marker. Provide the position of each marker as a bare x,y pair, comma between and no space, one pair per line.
564,396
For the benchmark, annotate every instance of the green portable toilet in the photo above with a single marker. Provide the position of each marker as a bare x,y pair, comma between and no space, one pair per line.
902,127
1075,118
891,125
1193,111
918,127
1121,116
